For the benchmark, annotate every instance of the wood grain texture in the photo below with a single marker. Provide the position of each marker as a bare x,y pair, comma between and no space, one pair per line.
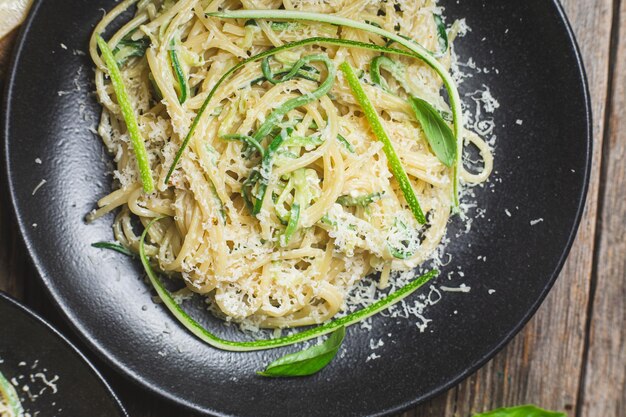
544,363
604,391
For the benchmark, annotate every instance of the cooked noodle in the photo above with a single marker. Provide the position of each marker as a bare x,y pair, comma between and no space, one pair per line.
251,265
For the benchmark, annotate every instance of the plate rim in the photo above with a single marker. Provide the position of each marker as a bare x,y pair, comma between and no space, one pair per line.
30,313
79,330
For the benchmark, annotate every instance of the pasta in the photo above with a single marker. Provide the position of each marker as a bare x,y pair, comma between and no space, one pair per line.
283,199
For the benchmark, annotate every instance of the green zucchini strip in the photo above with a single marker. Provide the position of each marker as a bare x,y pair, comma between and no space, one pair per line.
250,141
443,36
394,162
345,143
128,48
360,201
180,74
129,116
7,392
262,177
417,49
206,336
299,69
277,115
292,225
396,69
310,41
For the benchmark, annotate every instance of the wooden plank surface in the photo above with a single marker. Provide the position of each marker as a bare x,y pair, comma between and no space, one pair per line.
604,391
543,364
571,355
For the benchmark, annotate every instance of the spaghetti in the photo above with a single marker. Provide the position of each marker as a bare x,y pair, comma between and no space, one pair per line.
273,195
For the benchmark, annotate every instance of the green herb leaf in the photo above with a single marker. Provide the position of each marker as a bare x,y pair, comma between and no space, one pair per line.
113,246
180,74
206,336
308,361
139,147
10,397
439,135
521,411
377,128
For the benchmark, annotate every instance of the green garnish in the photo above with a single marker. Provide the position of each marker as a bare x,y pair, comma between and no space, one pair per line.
292,225
261,175
306,141
308,361
443,36
377,128
281,26
277,115
129,116
360,201
304,42
396,69
345,143
248,140
127,48
299,69
11,399
417,50
521,411
436,130
113,246
206,336
180,74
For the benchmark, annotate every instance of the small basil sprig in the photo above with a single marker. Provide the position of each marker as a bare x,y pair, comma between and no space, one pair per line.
113,246
521,411
438,133
308,361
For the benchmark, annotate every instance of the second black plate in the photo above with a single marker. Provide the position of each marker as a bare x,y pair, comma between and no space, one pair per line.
50,375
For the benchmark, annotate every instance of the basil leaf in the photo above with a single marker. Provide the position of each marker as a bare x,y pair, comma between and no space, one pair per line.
438,133
521,411
113,246
308,361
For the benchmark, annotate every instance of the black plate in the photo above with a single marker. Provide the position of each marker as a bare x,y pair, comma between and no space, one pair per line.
542,170
32,353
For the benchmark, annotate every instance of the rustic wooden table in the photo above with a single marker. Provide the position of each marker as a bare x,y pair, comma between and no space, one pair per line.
572,355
